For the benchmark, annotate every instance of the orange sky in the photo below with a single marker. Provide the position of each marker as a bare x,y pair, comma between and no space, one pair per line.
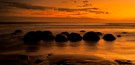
112,10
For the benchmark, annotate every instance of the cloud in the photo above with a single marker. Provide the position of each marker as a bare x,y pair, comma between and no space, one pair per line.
26,6
73,10
85,1
64,1
75,1
42,13
4,9
78,13
100,12
42,8
85,5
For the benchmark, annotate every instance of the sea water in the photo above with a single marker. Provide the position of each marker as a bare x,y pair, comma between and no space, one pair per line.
123,47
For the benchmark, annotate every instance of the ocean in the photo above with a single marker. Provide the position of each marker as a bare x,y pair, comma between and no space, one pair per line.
122,48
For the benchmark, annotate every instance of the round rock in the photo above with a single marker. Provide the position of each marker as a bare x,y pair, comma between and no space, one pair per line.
47,36
75,37
91,36
109,37
61,38
31,37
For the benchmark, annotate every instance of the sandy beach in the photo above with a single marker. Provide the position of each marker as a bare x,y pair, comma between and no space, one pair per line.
13,51
67,32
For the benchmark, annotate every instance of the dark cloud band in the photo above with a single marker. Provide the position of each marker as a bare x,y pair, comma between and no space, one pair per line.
34,7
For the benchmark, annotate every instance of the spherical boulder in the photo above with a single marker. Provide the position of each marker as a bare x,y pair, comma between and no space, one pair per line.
31,37
82,31
16,32
61,38
119,36
65,33
91,36
47,36
109,37
48,32
75,37
99,33
124,32
39,33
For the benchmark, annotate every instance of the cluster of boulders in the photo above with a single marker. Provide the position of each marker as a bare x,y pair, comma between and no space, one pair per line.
36,36
18,31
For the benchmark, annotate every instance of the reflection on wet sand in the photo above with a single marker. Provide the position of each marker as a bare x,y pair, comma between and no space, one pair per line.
54,59
109,50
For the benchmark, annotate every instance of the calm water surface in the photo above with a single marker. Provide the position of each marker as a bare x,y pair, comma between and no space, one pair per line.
123,47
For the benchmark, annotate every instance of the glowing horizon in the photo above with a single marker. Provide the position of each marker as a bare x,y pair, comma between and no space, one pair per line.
112,10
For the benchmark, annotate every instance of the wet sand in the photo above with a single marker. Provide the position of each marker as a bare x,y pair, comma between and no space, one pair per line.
14,42
51,59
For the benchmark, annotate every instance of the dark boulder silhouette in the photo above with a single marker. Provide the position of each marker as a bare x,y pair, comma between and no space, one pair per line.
31,37
99,33
75,37
65,33
61,38
82,31
16,32
124,32
119,36
39,33
91,36
109,37
47,36
48,32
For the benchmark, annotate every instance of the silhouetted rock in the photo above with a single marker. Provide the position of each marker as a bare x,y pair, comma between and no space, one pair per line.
75,37
40,34
16,32
124,62
82,31
47,36
99,33
61,38
65,33
49,55
91,36
109,37
119,36
31,37
48,32
124,32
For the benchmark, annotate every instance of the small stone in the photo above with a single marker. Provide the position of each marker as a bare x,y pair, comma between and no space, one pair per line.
109,37
118,35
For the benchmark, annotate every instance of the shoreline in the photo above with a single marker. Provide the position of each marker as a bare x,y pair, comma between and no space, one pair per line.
15,45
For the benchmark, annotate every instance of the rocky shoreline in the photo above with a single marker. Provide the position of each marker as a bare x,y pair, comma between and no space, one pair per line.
33,37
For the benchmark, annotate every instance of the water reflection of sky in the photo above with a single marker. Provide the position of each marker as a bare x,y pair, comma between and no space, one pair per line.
121,48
